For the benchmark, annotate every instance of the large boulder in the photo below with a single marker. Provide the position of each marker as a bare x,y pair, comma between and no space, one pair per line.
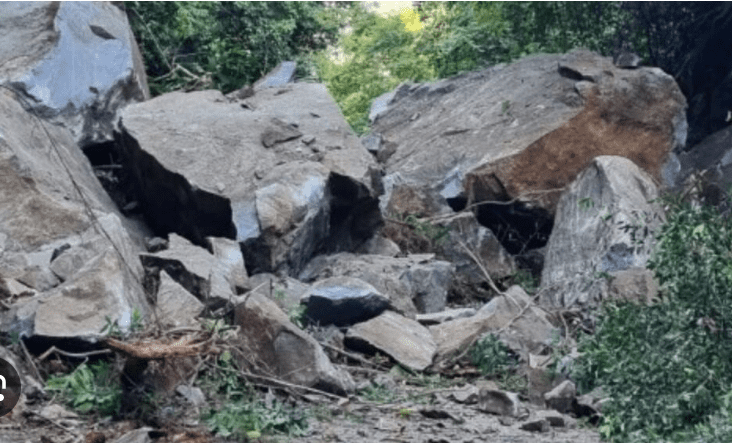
524,131
343,301
76,63
589,238
60,233
279,171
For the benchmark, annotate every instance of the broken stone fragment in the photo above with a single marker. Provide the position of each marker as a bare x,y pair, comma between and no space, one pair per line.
441,317
403,339
278,131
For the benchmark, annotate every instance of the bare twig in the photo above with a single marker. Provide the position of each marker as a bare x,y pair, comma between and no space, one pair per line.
53,349
30,360
352,356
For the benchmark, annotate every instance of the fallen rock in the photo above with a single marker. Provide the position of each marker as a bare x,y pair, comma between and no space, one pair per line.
378,245
343,301
556,419
539,112
588,238
176,306
561,397
501,403
190,266
468,394
273,344
527,333
103,70
536,426
403,339
466,231
192,394
411,283
292,201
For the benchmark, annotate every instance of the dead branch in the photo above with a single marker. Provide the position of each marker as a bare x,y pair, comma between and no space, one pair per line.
53,349
183,347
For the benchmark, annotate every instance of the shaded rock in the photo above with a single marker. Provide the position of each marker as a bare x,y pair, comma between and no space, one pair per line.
588,241
441,317
176,306
713,156
561,397
10,288
403,339
343,301
103,70
465,229
39,278
281,75
274,344
190,266
499,402
416,282
372,143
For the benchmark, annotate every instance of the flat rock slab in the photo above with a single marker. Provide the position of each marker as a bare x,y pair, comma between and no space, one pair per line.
404,339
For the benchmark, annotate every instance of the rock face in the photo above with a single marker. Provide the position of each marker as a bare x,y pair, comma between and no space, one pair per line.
102,67
258,182
273,343
588,238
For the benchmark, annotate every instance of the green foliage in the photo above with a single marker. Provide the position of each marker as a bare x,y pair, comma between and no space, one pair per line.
297,315
527,281
433,232
377,393
492,357
89,389
223,45
666,366
243,415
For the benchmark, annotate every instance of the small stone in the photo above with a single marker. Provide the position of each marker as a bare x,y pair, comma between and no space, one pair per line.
561,397
536,426
308,139
220,186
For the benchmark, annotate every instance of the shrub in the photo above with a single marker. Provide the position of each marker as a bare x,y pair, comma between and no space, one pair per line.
89,389
666,367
